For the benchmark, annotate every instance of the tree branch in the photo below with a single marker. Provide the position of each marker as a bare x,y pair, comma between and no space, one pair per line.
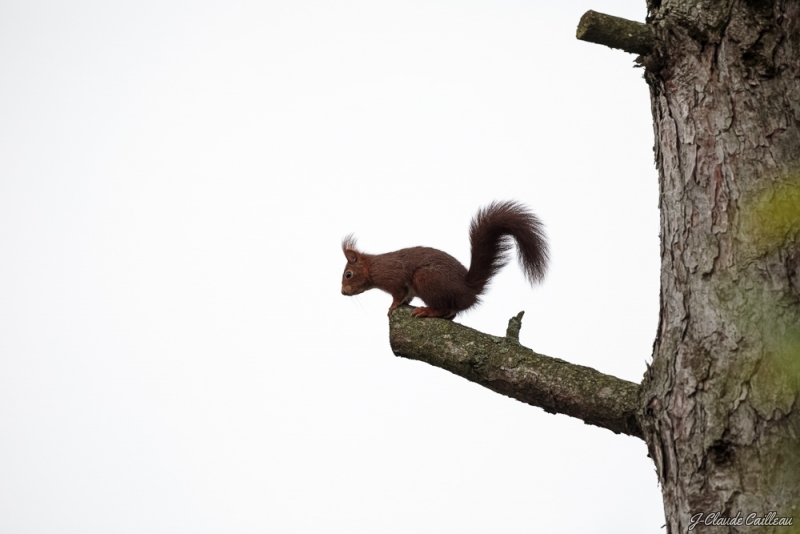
616,32
503,365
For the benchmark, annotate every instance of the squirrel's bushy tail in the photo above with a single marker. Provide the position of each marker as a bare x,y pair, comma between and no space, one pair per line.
489,235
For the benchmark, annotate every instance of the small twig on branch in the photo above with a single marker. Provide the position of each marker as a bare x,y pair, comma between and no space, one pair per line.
503,365
616,32
514,326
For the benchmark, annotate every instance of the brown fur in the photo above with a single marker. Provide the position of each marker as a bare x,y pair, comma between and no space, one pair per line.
446,286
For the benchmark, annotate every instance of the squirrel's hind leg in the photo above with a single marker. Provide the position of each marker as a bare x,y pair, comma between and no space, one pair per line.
443,292
423,311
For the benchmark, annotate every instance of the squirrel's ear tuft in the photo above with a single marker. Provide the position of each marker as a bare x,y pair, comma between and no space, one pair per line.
349,248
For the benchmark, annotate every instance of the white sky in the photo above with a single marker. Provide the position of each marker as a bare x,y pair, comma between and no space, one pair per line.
175,179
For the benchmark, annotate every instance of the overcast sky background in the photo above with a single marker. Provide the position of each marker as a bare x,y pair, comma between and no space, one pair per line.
175,180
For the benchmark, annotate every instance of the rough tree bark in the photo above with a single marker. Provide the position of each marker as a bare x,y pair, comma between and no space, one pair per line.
718,407
721,417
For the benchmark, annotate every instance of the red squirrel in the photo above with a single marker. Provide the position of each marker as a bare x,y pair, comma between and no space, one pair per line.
446,286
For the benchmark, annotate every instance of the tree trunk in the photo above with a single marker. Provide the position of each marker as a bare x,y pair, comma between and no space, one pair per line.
718,407
721,417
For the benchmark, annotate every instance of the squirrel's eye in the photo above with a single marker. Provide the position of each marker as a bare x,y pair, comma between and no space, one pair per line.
348,274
